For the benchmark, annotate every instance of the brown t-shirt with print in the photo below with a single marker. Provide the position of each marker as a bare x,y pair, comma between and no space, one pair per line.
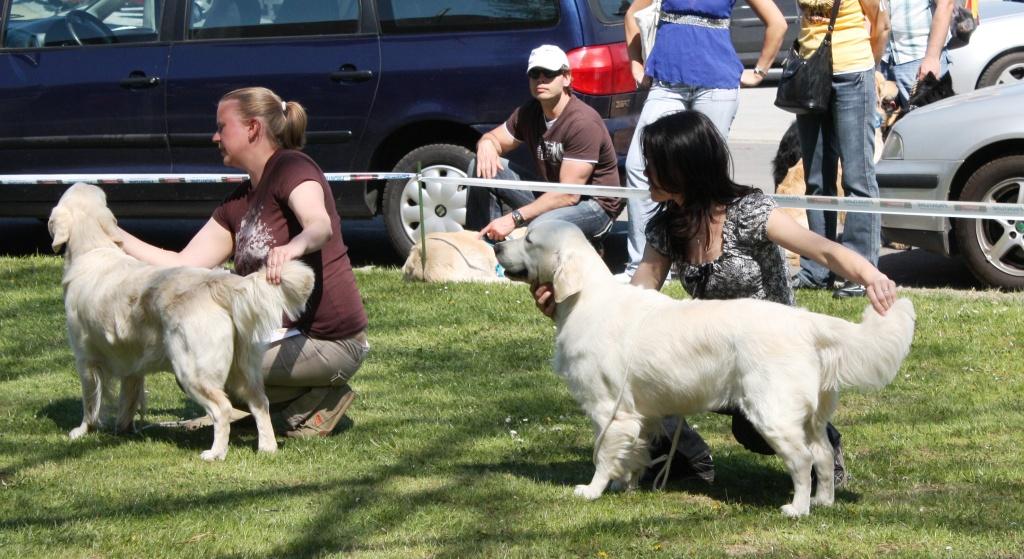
577,134
259,219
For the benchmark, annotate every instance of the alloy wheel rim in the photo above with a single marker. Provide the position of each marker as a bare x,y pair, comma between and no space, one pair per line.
1002,240
1013,74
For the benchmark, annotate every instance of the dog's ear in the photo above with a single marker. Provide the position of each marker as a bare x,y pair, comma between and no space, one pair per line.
60,227
568,276
109,224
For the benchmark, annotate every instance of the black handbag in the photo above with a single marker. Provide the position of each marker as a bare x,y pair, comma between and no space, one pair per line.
806,83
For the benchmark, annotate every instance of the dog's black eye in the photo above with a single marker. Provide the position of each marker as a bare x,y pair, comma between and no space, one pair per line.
527,239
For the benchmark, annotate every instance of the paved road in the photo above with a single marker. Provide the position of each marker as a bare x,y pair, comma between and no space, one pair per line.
753,139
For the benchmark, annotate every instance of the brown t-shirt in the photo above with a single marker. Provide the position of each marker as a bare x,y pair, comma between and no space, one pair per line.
259,219
578,134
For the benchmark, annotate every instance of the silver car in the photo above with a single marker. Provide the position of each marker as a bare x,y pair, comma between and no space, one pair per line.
966,148
995,53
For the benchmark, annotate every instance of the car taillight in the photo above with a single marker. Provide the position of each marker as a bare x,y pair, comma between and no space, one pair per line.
601,69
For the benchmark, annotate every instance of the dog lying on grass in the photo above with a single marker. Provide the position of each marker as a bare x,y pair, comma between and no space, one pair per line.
452,256
632,356
127,318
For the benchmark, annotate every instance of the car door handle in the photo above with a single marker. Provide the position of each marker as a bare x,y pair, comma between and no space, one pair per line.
140,82
349,74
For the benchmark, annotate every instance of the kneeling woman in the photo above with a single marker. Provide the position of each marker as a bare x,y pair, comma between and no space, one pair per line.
285,211
723,239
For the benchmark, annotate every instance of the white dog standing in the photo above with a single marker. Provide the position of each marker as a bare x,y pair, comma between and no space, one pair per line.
127,318
632,356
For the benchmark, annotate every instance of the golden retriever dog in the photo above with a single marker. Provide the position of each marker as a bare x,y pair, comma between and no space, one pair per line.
127,318
454,256
451,257
632,356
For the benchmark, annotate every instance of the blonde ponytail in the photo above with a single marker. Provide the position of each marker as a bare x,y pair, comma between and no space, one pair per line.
285,120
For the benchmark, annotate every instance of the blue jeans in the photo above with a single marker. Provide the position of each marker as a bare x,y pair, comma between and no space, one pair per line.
483,205
718,104
905,76
845,133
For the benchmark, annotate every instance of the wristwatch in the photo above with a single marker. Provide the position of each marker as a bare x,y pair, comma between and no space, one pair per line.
760,72
518,218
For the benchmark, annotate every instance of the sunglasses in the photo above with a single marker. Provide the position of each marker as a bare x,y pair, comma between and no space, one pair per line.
536,73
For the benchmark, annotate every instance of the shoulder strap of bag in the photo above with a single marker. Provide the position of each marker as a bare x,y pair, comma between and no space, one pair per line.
832,22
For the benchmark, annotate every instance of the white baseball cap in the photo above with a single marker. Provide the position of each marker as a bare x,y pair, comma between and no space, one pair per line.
548,57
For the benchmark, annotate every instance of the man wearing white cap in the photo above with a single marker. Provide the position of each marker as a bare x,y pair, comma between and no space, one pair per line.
571,145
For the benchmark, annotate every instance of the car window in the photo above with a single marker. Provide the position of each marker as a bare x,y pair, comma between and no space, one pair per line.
417,16
61,23
221,19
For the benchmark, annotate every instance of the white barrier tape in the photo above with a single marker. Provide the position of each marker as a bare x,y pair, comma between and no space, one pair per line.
185,178
562,188
929,208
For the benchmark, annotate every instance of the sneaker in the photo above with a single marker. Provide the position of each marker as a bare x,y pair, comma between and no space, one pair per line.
849,289
327,414
703,469
839,471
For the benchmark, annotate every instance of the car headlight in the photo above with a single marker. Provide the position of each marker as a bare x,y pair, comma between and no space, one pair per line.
893,146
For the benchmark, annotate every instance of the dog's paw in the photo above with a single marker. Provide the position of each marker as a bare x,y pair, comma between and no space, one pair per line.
212,455
587,492
793,512
78,432
269,447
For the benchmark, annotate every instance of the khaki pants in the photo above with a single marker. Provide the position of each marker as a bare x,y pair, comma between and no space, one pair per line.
295,364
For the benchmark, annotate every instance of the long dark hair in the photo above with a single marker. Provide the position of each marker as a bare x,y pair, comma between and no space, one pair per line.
688,156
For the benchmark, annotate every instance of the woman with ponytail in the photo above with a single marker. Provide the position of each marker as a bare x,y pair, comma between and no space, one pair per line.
285,211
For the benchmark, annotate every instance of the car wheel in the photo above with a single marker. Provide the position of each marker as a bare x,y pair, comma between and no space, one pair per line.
1006,69
444,206
994,248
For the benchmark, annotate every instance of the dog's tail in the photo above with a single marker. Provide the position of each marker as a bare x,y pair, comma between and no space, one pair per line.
867,355
257,307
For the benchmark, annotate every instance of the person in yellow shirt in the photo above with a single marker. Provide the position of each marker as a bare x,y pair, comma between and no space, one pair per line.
845,132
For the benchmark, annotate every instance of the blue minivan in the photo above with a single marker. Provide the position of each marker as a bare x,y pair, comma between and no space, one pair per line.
131,86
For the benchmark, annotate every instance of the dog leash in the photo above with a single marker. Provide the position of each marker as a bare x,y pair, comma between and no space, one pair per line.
459,250
663,473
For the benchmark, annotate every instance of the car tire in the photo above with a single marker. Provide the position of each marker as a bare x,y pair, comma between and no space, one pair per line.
444,206
994,248
1005,69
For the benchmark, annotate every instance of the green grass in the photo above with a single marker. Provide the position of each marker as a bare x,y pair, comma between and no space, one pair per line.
464,444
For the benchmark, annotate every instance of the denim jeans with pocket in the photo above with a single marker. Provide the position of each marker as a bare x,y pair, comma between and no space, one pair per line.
484,205
718,104
846,133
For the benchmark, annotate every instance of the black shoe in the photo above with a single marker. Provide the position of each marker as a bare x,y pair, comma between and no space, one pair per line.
849,289
702,468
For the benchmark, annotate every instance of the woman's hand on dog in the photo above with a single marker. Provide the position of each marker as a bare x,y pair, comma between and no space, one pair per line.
544,298
881,292
276,259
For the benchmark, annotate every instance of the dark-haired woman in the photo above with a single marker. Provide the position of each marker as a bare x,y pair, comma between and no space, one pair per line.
724,239
285,211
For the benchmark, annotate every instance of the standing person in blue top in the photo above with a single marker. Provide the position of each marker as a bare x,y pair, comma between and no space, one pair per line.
693,66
